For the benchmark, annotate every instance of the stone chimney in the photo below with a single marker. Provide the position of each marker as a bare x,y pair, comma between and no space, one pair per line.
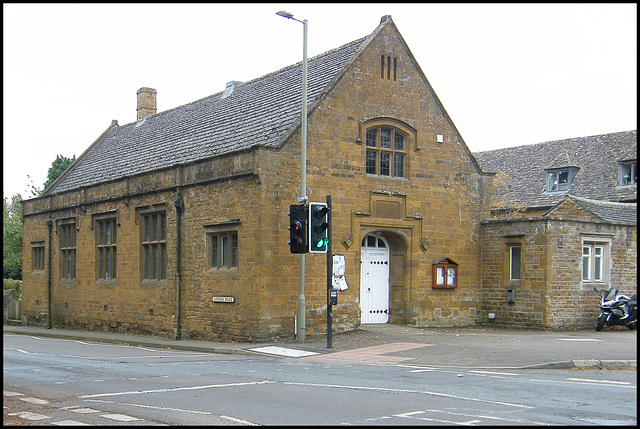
146,102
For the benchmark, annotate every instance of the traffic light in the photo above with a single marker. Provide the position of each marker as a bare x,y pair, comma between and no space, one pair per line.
318,224
297,228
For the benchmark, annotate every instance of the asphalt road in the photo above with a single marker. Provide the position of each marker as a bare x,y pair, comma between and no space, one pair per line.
52,381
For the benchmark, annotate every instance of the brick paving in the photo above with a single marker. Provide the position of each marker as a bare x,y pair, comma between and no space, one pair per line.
371,354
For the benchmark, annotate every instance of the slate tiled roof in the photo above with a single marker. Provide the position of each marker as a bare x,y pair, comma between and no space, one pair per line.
257,113
609,212
596,157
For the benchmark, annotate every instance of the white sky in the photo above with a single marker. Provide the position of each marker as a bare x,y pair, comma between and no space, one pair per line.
508,75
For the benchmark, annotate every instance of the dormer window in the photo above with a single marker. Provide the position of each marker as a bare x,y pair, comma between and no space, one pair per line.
559,180
627,175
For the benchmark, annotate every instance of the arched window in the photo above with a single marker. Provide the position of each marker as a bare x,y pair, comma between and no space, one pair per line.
386,151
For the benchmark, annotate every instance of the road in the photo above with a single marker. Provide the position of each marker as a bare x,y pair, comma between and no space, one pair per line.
49,381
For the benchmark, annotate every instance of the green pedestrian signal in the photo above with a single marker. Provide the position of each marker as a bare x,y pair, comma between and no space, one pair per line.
318,227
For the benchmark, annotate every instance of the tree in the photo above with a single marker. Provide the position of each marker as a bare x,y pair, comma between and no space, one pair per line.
12,221
12,238
57,168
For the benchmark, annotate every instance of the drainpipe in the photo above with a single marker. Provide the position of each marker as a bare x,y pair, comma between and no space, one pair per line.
179,204
50,225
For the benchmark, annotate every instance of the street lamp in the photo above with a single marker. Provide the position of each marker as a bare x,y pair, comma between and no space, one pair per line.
301,329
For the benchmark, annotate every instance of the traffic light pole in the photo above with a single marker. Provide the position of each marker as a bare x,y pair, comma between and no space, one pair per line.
302,326
329,276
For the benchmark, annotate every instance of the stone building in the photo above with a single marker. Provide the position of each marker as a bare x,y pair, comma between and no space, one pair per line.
565,213
176,224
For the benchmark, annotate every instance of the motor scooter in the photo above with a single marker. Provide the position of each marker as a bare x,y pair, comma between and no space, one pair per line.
617,309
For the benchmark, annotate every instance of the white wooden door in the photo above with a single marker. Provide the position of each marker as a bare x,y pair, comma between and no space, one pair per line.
374,280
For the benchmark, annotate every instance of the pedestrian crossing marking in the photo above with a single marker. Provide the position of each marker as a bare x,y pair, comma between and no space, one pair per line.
281,351
119,417
30,416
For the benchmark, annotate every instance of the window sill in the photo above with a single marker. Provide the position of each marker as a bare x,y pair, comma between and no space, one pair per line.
104,282
586,285
378,176
162,282
232,270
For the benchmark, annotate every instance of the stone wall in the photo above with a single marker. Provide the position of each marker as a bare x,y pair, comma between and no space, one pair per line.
551,293
431,213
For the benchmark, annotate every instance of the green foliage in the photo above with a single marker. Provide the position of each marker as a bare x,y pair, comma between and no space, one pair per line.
57,168
13,284
12,238
12,221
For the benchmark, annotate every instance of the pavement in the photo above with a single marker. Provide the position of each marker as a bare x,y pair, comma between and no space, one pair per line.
477,347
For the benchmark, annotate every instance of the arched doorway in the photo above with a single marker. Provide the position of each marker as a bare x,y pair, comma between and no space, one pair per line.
374,279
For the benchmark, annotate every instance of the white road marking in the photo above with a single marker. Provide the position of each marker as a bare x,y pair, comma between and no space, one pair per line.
579,339
9,393
599,381
119,417
424,392
30,416
174,389
35,400
281,351
241,421
234,419
583,382
412,415
495,373
69,423
206,413
481,416
83,410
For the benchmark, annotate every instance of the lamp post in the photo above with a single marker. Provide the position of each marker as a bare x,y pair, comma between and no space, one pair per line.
301,328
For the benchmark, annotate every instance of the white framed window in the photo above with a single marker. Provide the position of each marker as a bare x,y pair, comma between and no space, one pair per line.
515,262
560,180
627,174
595,263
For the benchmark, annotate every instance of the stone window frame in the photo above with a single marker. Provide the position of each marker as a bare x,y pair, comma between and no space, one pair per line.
153,245
105,226
512,241
37,256
67,232
215,235
595,242
397,126
388,73
512,247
